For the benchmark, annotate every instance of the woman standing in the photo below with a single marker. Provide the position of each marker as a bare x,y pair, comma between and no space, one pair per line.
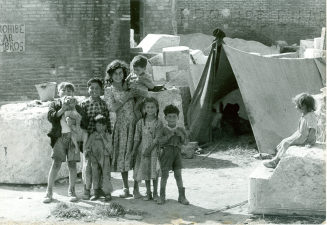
122,103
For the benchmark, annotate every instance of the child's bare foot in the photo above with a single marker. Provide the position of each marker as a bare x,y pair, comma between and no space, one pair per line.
48,197
271,163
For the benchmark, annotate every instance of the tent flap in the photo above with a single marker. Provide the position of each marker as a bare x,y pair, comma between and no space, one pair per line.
267,87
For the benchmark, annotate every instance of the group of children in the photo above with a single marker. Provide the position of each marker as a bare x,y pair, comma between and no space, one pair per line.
139,141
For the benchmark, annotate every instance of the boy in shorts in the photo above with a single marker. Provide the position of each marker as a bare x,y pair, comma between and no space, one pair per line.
170,141
60,136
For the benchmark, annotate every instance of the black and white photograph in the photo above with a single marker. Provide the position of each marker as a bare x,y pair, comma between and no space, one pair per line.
179,112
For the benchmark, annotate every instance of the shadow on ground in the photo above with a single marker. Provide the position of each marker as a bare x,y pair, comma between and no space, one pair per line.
208,163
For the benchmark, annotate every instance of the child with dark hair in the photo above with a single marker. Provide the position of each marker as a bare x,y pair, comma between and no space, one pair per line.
139,81
120,101
99,149
306,133
93,106
170,140
60,135
145,149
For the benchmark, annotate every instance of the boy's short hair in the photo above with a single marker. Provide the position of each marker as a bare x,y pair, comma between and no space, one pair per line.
100,119
95,80
139,61
305,99
64,85
171,109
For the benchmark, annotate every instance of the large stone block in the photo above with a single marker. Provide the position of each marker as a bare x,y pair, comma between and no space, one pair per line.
304,44
160,72
167,97
179,56
198,57
25,151
296,186
156,42
313,53
157,60
179,78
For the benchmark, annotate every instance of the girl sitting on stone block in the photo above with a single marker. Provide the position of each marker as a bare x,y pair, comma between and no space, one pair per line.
306,133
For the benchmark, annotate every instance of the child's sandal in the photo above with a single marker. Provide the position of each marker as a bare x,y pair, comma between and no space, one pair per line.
271,164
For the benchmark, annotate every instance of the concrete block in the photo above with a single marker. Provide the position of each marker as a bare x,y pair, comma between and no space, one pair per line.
179,56
179,78
25,156
317,43
196,73
157,60
296,186
160,72
198,57
313,53
167,97
304,44
156,42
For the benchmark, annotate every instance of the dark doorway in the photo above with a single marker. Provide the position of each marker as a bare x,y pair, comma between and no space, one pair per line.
136,7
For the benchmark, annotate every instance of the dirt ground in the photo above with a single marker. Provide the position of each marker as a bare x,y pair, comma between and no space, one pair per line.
212,182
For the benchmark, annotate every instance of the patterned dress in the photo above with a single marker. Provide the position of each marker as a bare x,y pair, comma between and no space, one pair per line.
123,133
147,168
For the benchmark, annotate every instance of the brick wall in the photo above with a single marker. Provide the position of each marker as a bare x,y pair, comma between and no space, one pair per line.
157,17
64,41
262,20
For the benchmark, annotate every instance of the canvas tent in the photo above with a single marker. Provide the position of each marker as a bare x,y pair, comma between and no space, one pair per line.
267,86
